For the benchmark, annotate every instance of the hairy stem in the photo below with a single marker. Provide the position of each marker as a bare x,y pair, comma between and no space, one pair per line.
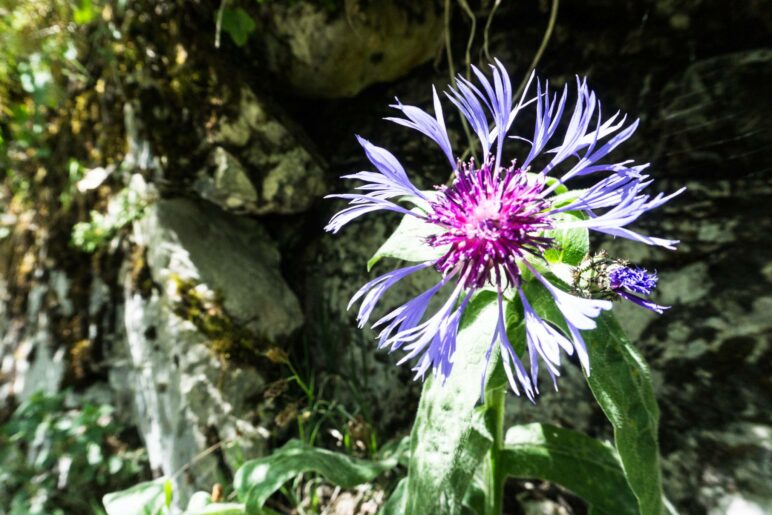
494,403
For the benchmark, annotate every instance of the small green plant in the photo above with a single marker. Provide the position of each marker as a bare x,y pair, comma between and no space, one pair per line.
127,206
59,459
75,172
257,480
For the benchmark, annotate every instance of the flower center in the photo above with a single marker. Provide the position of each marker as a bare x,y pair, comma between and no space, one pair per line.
491,218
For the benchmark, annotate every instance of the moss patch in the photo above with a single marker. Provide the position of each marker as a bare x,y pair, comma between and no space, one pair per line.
139,272
227,338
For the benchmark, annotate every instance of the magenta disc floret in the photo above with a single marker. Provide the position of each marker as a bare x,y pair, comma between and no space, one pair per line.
492,218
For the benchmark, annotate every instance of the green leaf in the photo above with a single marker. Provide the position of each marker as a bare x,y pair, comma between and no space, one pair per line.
575,461
621,383
408,242
474,497
565,198
449,438
143,499
396,504
572,245
238,24
168,490
219,508
84,12
258,479
199,501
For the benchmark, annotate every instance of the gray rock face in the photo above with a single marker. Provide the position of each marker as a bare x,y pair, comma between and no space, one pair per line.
186,395
233,256
340,264
709,129
31,360
710,353
259,165
338,54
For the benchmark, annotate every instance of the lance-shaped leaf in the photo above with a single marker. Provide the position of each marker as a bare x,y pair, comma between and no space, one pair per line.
257,480
449,438
408,242
570,245
148,498
621,383
395,505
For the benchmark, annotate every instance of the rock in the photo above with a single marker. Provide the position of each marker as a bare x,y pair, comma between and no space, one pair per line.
203,291
339,52
340,262
233,256
31,359
738,505
33,356
707,127
259,164
184,398
230,186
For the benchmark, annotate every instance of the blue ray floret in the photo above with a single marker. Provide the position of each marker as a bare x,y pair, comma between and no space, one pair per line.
491,225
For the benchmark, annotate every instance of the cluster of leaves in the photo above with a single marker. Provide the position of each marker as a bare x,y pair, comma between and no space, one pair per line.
292,473
55,459
257,480
126,206
36,59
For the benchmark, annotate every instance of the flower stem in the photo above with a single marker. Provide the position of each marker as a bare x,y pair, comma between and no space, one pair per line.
494,403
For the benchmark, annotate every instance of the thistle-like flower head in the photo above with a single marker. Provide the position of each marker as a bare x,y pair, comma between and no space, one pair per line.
628,281
637,280
489,220
494,224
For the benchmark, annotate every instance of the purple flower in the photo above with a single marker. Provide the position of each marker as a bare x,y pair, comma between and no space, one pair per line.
626,281
490,226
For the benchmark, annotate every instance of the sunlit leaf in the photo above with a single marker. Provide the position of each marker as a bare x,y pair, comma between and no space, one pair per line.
570,245
572,460
147,498
621,383
449,437
257,480
238,24
408,242
396,504
83,12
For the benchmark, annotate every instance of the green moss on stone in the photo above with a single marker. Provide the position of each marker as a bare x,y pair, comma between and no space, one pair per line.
227,338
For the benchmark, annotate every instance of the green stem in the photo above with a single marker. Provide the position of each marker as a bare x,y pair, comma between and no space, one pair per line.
494,402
